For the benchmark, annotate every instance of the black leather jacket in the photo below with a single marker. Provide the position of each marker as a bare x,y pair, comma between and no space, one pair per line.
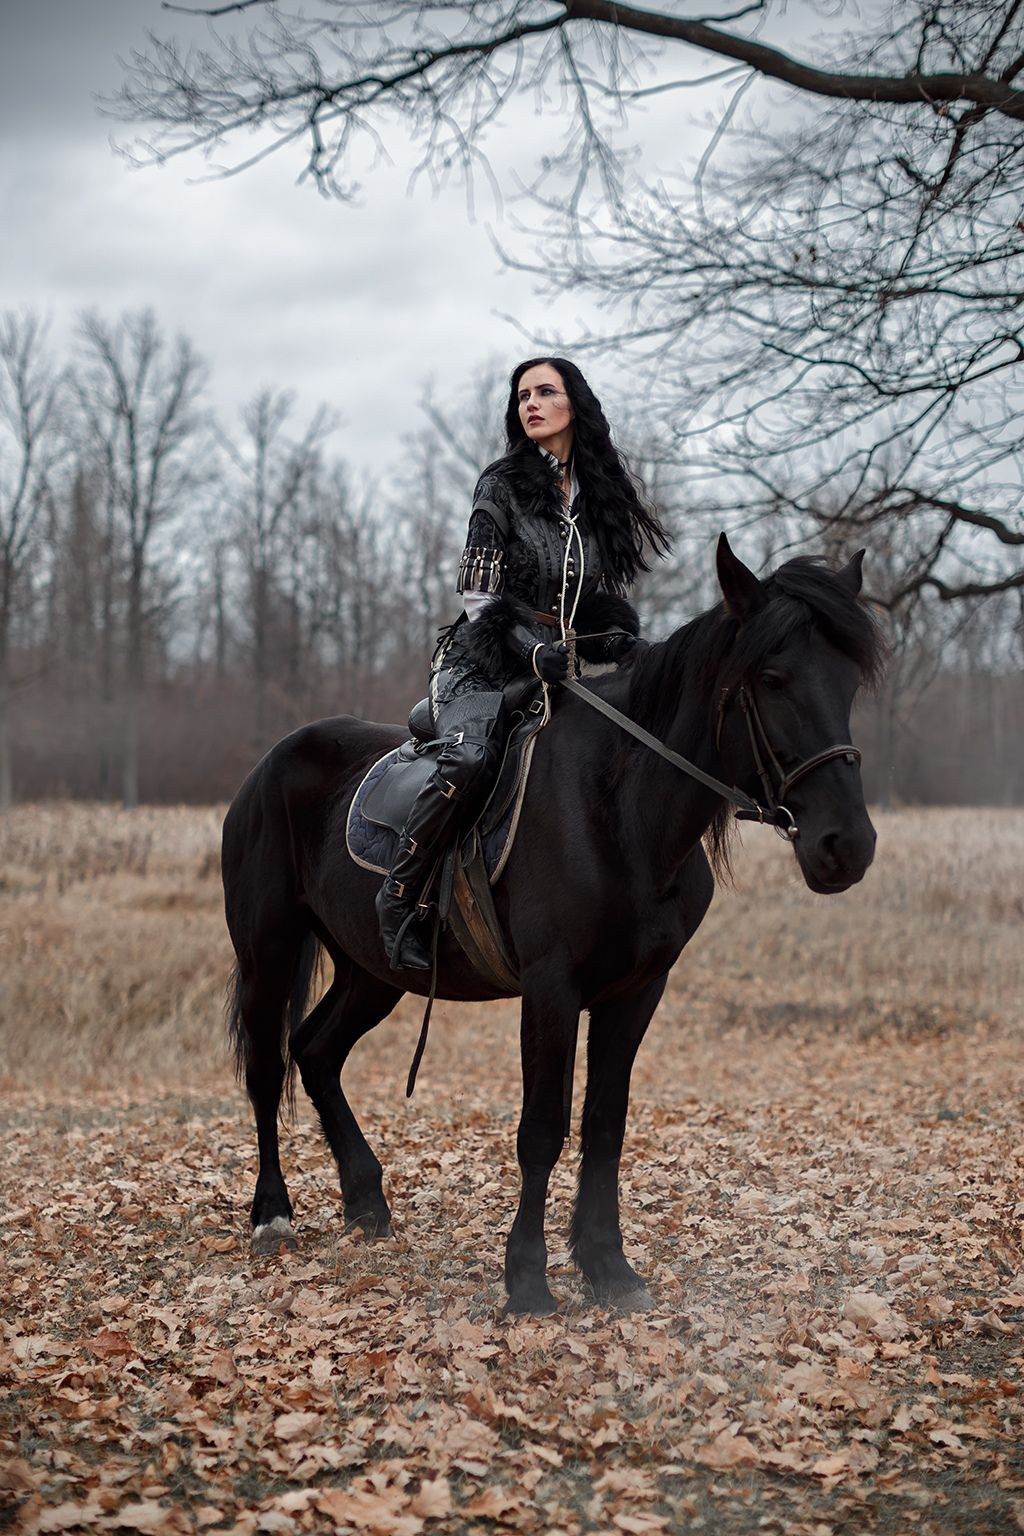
515,550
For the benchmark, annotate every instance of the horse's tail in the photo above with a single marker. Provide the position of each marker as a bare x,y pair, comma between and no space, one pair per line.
305,976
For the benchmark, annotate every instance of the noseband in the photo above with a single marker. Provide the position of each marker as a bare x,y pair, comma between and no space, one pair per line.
775,783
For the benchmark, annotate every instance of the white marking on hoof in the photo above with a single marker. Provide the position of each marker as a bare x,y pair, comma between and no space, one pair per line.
269,1235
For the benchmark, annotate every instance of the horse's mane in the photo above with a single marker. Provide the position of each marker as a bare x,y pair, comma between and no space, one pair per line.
717,650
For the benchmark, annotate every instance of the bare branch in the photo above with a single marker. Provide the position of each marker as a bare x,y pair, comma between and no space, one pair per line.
907,90
216,10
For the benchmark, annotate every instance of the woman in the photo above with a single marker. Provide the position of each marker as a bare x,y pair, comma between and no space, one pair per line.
557,534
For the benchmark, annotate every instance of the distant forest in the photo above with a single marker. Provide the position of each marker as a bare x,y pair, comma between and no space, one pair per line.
177,593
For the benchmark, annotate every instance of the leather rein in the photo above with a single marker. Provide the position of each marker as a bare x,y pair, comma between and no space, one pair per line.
775,783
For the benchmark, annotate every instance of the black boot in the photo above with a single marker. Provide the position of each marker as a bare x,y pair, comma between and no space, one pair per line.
466,764
403,928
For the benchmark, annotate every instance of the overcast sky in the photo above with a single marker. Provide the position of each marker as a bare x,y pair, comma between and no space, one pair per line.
353,305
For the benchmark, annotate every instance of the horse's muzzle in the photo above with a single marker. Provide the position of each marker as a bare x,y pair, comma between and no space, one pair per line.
837,857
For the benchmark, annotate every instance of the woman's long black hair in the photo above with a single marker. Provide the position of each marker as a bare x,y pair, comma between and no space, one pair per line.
615,505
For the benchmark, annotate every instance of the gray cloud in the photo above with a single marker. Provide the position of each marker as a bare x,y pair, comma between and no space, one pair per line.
352,305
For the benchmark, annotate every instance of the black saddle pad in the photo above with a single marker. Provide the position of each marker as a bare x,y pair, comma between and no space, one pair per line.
383,800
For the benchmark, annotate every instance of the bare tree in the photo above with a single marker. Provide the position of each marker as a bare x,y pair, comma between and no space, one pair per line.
835,317
350,623
139,398
273,474
356,597
841,284
431,498
30,446
448,69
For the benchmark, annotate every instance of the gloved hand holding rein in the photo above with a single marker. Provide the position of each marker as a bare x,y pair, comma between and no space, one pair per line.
548,662
551,662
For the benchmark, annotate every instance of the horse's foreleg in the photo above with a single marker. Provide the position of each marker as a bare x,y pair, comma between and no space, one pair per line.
549,1022
616,1030
354,1004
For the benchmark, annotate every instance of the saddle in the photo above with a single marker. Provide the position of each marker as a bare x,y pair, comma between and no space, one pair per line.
468,870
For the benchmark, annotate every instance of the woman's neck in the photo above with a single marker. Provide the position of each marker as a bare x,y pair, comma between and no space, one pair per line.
560,447
562,463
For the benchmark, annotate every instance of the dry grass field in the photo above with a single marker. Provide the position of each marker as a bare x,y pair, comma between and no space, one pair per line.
114,955
823,1179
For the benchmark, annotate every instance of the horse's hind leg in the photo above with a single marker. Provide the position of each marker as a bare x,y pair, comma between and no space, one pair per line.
354,1004
262,998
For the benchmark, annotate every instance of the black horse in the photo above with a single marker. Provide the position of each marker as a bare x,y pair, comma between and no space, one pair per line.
607,882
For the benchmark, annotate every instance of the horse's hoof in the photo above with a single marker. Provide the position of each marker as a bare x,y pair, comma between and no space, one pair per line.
271,1236
541,1304
629,1294
637,1300
374,1225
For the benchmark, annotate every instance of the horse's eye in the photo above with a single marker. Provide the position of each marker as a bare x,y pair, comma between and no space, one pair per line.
773,681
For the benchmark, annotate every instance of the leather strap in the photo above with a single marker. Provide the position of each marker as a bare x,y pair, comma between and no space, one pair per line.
727,791
747,809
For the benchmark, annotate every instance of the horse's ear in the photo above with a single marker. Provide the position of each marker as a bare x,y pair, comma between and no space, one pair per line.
740,587
852,575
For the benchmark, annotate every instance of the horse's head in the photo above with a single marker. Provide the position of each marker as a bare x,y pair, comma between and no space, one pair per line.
799,645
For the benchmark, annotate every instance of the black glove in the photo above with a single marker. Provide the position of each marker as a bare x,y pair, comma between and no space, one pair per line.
618,646
550,662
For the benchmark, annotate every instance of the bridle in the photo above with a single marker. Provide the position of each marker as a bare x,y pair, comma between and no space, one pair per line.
775,782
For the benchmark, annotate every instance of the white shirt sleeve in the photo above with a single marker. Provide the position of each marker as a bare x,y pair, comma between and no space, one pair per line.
476,602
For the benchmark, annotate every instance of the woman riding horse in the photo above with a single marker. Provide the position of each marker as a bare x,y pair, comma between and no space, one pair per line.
557,534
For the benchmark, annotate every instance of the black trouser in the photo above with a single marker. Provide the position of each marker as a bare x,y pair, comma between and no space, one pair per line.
471,731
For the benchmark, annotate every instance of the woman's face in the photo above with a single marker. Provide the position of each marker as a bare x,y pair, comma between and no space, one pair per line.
544,408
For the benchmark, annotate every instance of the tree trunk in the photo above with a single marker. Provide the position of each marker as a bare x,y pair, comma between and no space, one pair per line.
220,617
259,654
886,745
134,676
6,774
106,766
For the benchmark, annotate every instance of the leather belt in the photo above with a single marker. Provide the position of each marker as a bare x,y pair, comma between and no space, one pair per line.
546,618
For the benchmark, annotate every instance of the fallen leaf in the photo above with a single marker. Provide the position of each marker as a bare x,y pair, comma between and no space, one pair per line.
434,1499
297,1426
728,1449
